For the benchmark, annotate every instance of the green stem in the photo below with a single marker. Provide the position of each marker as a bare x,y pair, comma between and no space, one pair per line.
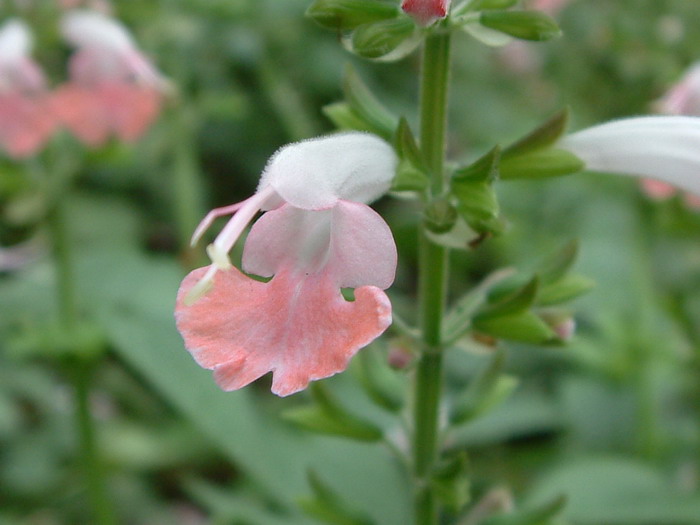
92,466
79,370
432,281
65,289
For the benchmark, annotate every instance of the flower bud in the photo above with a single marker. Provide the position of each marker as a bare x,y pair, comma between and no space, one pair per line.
425,12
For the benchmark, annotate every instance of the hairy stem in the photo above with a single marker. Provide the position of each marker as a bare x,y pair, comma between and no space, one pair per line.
433,272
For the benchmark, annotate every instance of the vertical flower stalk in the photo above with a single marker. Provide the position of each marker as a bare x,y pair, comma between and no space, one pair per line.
433,271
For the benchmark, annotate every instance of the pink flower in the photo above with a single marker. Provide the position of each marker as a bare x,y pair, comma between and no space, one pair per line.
316,237
26,122
425,12
113,88
684,97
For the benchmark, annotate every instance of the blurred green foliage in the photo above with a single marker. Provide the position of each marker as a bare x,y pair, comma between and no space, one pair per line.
612,420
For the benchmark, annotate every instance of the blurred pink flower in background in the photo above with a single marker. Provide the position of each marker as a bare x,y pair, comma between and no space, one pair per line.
551,7
682,98
316,237
113,88
426,12
26,121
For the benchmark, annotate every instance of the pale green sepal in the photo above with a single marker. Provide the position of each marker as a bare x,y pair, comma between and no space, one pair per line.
525,327
478,206
476,5
460,237
451,484
489,37
565,289
409,178
346,15
406,145
328,507
541,164
459,318
541,137
381,383
440,216
410,174
525,25
344,117
485,169
386,41
366,106
327,416
542,514
488,390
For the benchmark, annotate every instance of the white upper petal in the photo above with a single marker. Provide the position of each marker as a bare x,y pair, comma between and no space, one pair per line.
84,28
662,148
314,174
15,41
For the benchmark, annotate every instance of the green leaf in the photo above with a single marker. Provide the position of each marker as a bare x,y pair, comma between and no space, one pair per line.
409,178
525,327
345,15
540,515
485,169
559,264
328,507
526,25
516,302
489,389
387,40
451,483
327,416
345,118
459,318
565,289
541,164
361,100
406,145
381,383
477,5
541,137
478,205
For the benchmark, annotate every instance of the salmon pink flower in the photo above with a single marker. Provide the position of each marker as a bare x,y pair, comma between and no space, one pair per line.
425,12
666,149
316,237
113,88
26,121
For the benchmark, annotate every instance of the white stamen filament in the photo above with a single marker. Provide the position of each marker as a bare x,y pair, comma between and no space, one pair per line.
237,224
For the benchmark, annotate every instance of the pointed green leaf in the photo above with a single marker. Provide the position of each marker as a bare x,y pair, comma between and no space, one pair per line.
485,169
565,289
559,264
327,416
526,25
381,383
525,327
386,40
488,390
409,178
541,164
459,318
406,145
345,118
346,15
516,302
361,100
327,506
542,137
